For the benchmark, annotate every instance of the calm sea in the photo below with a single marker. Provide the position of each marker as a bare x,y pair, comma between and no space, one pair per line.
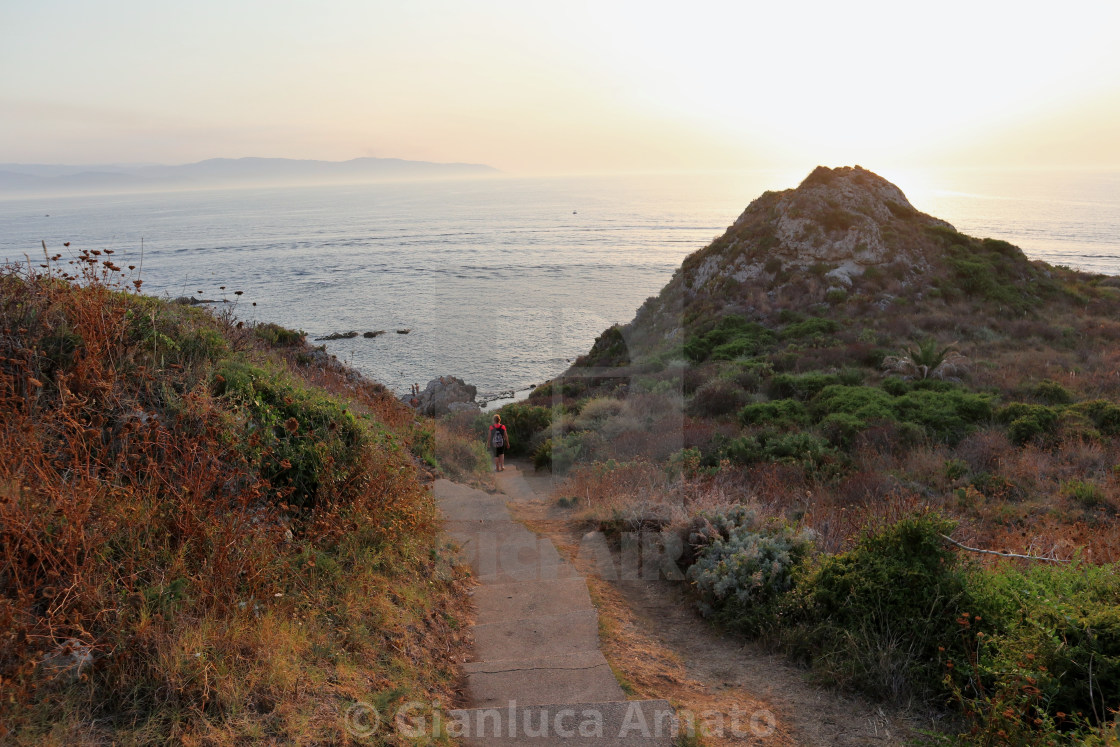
500,281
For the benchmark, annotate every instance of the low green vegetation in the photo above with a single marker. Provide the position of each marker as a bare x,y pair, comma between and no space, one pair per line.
1029,656
731,337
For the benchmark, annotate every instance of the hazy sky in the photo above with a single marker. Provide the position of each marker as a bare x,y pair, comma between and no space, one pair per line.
535,87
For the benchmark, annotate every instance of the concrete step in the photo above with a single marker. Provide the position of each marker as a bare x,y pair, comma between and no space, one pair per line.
474,508
634,723
579,677
537,637
517,601
467,533
504,552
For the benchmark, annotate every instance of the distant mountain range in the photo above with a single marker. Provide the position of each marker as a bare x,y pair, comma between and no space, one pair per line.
222,172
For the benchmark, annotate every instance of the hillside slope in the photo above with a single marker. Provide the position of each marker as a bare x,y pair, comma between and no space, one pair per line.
827,410
209,533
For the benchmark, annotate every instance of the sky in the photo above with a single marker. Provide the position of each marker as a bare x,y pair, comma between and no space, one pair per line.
564,87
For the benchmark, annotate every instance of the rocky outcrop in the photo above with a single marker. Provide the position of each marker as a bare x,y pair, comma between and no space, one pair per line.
443,395
791,248
841,221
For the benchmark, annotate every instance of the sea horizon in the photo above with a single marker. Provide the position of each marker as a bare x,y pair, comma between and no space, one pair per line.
501,280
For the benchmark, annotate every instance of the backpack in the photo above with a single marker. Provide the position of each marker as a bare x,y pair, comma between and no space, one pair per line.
497,440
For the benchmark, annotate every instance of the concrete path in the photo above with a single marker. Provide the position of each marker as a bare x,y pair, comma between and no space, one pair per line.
538,676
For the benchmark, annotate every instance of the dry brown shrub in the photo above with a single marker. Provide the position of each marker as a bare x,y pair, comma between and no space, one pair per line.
984,449
864,487
837,525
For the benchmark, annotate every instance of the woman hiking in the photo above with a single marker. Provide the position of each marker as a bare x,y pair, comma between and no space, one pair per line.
498,440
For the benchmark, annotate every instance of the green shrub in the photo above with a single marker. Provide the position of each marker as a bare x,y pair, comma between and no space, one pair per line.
553,389
878,615
945,412
946,415
609,350
797,447
896,386
841,429
1052,393
811,327
865,402
803,386
1027,422
955,469
305,441
779,413
749,374
542,455
594,412
732,337
1086,494
685,463
202,344
573,447
806,450
276,336
743,450
741,568
523,421
1105,415
1044,645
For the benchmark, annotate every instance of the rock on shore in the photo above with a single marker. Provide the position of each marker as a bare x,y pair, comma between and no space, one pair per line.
443,395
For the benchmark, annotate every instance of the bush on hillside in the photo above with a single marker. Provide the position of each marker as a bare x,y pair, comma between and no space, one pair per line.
522,422
716,398
731,337
742,568
781,413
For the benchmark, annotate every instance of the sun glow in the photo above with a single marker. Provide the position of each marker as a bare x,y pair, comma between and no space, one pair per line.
595,86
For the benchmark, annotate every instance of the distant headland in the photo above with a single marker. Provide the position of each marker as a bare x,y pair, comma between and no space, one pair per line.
222,172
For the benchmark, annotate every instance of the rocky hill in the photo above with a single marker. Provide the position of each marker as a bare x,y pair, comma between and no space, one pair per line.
847,218
843,236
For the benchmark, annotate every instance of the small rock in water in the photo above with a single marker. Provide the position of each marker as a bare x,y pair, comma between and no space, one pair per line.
338,336
403,331
374,334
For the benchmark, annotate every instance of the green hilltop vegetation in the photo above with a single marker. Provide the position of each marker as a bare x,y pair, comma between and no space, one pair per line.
821,403
210,532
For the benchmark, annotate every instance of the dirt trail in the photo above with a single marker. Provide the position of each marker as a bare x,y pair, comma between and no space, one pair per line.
660,648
